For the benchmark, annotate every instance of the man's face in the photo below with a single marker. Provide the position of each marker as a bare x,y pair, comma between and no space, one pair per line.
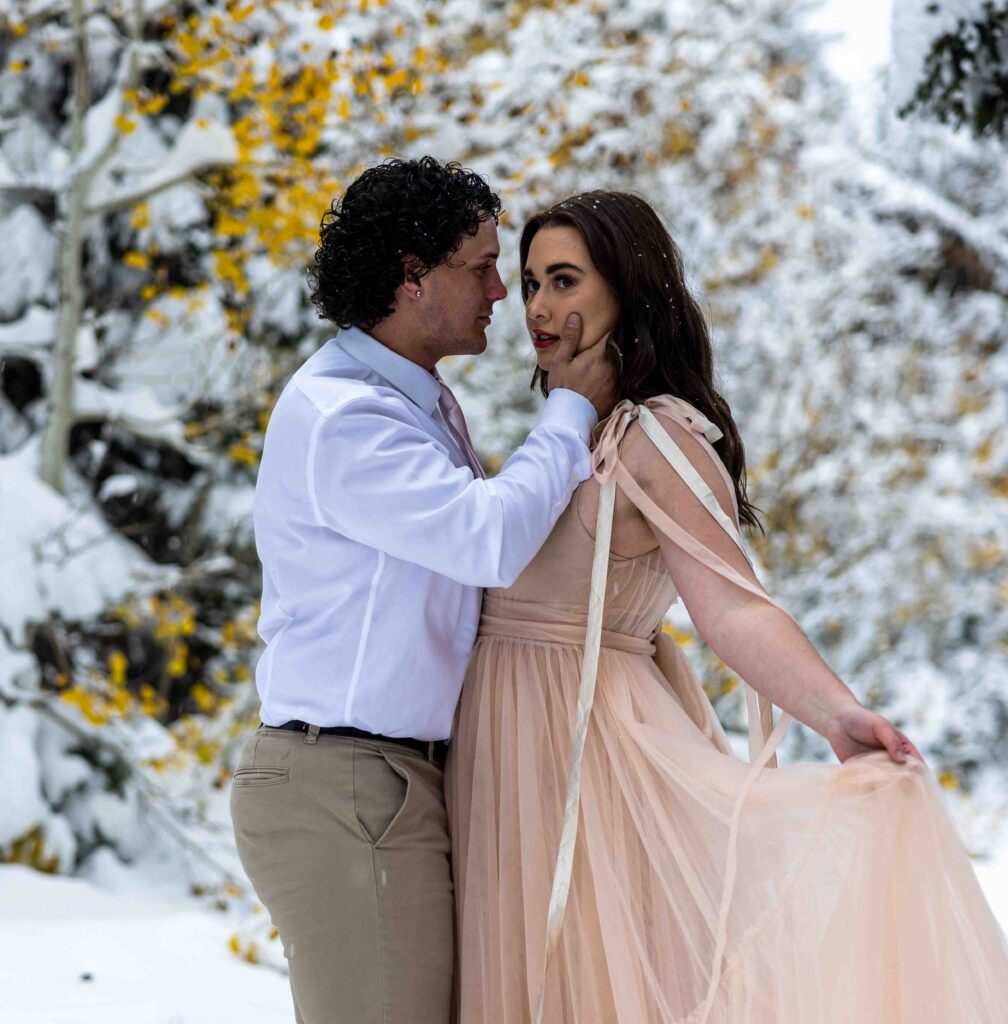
459,296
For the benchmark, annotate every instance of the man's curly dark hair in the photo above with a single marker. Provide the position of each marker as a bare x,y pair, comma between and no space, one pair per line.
400,208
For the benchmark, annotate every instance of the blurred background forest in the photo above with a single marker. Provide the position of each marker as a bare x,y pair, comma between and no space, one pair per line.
163,168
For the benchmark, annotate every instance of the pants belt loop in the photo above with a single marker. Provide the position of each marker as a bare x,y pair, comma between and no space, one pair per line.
430,751
311,736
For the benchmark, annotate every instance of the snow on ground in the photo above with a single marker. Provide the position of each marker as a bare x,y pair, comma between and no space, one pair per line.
74,953
157,961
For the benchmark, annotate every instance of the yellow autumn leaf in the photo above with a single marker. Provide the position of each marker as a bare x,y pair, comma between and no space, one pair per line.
117,664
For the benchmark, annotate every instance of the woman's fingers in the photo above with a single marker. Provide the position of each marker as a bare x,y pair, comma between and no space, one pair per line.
910,749
861,731
890,737
895,742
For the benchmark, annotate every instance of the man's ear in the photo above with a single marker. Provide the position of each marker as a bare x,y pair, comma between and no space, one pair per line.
411,274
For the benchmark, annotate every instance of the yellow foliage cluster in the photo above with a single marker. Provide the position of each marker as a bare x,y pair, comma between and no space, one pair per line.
200,735
243,447
107,696
30,850
680,636
270,201
170,619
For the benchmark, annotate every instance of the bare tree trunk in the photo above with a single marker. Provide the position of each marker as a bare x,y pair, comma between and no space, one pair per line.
76,210
55,438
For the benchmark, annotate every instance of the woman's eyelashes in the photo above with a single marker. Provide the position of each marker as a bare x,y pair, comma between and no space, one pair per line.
561,282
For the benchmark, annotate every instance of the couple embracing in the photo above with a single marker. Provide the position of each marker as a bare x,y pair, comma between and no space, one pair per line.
487,788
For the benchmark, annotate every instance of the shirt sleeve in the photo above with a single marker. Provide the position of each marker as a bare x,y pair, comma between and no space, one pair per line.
377,477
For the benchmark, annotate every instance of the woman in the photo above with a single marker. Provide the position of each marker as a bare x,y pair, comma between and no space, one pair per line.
703,890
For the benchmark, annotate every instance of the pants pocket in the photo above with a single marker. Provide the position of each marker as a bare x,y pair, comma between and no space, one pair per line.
261,776
381,788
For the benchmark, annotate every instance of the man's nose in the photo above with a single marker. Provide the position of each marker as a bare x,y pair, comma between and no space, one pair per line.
497,289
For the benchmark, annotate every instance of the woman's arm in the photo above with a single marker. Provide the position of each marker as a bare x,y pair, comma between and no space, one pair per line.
756,639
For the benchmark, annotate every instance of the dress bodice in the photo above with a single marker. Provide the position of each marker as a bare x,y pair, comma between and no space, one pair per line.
551,595
554,588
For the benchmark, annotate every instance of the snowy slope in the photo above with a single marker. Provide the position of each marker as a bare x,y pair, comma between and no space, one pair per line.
73,953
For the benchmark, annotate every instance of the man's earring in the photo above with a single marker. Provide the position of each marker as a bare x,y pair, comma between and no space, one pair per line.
418,295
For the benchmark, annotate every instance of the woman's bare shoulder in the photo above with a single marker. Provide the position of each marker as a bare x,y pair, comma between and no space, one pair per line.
643,460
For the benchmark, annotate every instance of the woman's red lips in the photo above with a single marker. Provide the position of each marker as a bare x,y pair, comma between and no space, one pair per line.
543,340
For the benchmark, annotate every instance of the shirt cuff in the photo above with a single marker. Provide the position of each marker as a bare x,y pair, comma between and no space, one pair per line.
569,409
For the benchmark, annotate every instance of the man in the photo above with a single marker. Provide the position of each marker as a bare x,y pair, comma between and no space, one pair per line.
377,530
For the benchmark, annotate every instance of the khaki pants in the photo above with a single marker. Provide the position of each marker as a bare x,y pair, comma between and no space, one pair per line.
346,844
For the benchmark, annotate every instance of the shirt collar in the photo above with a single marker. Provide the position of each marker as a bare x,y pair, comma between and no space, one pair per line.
419,386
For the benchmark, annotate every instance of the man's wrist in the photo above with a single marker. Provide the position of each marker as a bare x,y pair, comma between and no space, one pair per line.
568,408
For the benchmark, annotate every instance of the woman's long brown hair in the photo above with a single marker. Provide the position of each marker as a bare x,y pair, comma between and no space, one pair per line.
660,332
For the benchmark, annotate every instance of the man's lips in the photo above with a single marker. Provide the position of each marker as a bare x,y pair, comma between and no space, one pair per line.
543,339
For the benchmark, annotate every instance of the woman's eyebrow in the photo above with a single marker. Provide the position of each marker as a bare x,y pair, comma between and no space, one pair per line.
553,268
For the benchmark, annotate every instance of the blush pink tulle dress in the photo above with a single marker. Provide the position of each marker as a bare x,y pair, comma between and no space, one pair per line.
850,897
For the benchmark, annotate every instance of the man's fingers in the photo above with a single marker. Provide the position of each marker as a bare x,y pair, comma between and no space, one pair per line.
569,338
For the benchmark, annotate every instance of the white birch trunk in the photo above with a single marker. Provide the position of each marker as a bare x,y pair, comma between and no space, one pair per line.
55,437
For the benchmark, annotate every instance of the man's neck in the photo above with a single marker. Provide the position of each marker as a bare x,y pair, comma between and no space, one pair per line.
393,337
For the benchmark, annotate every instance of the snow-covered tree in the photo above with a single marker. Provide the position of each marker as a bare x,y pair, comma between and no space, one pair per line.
964,77
163,169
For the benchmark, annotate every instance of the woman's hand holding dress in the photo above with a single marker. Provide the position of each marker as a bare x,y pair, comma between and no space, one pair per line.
857,730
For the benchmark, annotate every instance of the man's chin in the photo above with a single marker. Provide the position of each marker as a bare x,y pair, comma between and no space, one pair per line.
477,345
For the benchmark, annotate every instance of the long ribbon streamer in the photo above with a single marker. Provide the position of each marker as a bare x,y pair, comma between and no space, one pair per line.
760,711
586,697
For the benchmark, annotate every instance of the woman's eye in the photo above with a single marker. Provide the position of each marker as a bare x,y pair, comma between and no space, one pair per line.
531,286
564,282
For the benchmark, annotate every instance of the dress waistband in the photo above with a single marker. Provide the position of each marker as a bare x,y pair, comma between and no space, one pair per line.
569,633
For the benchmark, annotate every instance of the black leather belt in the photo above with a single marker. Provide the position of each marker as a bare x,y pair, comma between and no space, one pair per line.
432,750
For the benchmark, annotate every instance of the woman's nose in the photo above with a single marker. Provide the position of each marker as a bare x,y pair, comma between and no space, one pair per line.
535,307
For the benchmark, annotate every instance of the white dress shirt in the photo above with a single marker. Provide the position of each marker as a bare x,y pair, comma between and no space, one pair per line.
376,538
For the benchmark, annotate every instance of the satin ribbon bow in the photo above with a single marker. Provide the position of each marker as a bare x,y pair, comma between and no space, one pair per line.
607,449
699,423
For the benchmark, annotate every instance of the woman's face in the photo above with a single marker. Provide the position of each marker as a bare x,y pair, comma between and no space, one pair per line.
561,279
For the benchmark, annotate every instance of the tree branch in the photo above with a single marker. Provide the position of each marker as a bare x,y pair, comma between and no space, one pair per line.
125,199
153,799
